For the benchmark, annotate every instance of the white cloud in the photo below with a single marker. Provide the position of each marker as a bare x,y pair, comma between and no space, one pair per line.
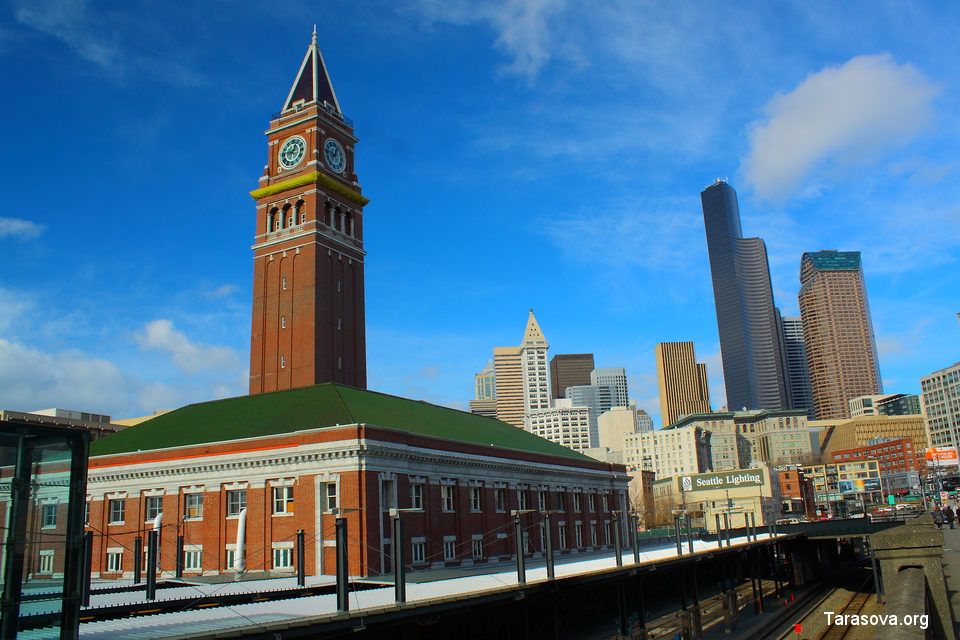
69,21
522,28
20,229
160,335
846,115
31,379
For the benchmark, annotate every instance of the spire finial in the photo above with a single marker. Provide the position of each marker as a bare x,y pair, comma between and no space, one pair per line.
314,34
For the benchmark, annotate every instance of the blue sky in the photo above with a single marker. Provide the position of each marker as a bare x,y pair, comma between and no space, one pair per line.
545,154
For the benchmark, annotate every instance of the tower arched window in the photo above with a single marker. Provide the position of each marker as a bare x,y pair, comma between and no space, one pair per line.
271,220
300,212
336,219
328,214
348,223
287,217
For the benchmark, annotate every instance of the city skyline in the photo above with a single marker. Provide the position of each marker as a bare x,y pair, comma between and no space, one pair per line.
128,266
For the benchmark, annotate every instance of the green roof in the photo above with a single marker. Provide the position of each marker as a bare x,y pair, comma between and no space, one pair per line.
324,405
835,260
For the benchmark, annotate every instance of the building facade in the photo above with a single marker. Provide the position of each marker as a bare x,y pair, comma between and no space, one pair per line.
508,385
485,402
798,373
750,337
837,332
569,370
563,423
598,399
668,452
533,359
301,458
615,377
682,381
308,323
941,401
845,435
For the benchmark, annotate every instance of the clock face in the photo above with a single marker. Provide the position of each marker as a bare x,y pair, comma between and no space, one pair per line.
292,152
333,153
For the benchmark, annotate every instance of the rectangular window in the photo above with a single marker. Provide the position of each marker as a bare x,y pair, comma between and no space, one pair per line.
330,497
591,502
117,509
283,558
231,559
153,506
500,499
449,549
593,535
282,500
477,547
115,561
417,555
386,493
561,501
49,516
475,498
606,503
416,496
521,499
542,500
193,505
236,502
578,534
192,560
446,496
606,533
576,502
562,535
46,561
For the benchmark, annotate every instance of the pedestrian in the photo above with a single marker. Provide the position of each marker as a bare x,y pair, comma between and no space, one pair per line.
949,516
938,518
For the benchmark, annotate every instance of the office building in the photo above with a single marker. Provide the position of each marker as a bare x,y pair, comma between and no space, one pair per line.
562,423
798,373
308,324
668,452
837,332
644,421
533,361
569,370
682,382
615,377
889,404
843,435
748,323
508,385
941,401
598,399
485,402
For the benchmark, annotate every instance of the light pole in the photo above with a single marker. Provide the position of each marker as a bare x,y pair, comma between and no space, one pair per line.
518,534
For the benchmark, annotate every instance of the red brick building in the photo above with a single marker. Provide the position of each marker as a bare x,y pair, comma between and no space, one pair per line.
308,322
291,459
894,456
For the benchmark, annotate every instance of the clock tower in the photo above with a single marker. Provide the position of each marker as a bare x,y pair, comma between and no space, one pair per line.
308,298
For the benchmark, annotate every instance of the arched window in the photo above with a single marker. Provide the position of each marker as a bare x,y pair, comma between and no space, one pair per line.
271,219
287,216
336,219
300,211
348,223
327,213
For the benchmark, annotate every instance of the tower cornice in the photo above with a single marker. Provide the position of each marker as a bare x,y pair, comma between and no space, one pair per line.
311,178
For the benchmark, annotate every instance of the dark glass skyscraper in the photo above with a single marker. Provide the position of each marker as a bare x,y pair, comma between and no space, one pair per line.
750,339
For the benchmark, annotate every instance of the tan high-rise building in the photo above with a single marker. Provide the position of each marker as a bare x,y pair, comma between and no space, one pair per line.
837,332
508,375
683,382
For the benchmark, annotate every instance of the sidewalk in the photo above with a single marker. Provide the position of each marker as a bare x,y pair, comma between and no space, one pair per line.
951,572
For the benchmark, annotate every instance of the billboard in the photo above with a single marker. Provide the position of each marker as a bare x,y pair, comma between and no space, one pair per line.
725,480
860,486
942,456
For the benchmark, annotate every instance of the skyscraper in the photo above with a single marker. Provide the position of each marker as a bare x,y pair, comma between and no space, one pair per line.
798,373
508,381
533,360
308,322
569,370
615,377
485,404
837,331
753,369
941,397
682,381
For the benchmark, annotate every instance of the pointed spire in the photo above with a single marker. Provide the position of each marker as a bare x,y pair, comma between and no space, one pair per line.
313,83
533,334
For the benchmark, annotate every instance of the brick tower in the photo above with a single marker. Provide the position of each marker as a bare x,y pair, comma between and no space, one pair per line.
308,299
